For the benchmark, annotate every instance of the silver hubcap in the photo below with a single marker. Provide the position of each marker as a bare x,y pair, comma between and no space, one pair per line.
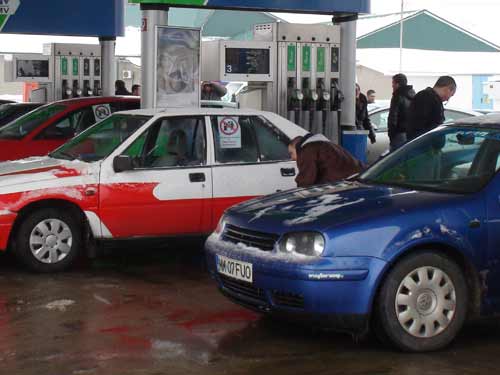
50,241
425,302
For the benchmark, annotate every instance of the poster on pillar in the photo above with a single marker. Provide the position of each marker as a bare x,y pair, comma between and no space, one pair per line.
177,70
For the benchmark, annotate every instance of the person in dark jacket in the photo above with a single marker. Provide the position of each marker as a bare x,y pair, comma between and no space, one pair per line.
402,96
120,88
320,161
427,110
362,120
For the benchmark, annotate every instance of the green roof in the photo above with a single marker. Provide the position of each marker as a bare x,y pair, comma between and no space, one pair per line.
424,30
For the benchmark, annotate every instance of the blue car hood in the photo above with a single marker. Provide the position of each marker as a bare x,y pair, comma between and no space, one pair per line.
327,206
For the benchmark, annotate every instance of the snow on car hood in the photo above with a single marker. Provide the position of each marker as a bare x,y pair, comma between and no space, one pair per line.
37,172
326,206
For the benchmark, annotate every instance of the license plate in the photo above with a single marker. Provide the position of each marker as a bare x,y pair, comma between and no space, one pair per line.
235,269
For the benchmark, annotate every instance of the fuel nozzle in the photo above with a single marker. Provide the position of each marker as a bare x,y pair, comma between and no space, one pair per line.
77,91
337,97
87,90
295,96
310,100
66,90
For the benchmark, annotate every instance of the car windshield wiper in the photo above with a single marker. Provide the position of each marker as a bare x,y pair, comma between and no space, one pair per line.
66,156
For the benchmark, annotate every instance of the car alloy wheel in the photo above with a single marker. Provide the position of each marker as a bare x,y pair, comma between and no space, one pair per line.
50,241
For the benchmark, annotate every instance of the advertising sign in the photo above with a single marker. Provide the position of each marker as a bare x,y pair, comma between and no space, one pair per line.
7,9
316,6
177,73
63,17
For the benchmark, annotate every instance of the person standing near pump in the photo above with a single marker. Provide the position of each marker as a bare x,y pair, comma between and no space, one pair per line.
399,113
427,110
362,120
120,88
320,161
371,95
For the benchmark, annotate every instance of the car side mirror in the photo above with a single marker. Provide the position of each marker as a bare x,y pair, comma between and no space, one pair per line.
122,163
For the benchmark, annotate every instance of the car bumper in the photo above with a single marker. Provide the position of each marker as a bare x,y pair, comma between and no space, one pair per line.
7,219
334,292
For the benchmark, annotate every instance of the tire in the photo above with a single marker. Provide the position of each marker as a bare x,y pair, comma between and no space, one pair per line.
428,313
49,240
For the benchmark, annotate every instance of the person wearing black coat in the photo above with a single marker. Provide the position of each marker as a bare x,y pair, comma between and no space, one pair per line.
427,110
399,113
362,120
120,88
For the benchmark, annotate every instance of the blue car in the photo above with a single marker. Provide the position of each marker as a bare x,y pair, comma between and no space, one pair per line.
410,248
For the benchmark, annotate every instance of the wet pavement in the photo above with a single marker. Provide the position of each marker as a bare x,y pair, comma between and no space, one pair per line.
157,312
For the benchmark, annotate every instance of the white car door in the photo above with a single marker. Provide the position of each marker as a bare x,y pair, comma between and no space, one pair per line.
250,159
168,192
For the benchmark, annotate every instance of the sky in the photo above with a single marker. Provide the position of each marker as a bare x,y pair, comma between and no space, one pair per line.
477,16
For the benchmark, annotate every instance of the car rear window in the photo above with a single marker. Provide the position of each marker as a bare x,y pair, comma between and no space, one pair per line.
24,125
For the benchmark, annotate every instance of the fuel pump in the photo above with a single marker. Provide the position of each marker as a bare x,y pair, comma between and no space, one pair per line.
77,70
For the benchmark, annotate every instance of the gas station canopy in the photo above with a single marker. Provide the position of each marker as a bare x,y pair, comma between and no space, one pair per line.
298,6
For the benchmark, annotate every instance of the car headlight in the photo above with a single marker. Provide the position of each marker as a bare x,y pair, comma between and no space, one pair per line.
305,243
220,226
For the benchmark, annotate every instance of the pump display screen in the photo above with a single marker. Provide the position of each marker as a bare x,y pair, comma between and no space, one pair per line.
335,60
248,61
32,68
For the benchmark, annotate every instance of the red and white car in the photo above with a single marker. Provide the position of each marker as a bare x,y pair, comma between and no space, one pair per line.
48,127
141,174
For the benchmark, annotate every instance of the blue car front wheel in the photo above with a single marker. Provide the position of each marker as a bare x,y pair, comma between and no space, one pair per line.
422,303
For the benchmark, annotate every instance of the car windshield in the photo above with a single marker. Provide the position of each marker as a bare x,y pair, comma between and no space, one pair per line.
100,140
24,125
450,159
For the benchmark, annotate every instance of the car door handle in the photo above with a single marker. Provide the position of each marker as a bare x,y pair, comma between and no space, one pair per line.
197,177
288,172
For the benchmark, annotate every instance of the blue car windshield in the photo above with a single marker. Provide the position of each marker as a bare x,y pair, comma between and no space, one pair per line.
450,159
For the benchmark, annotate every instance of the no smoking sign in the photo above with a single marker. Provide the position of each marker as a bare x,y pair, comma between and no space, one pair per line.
229,132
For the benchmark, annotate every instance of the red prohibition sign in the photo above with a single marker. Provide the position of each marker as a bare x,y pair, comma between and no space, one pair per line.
228,126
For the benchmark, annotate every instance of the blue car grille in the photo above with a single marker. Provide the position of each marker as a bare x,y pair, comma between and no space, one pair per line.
260,240
242,288
288,299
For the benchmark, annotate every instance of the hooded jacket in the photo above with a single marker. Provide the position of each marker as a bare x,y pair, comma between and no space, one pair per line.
399,113
320,162
426,113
